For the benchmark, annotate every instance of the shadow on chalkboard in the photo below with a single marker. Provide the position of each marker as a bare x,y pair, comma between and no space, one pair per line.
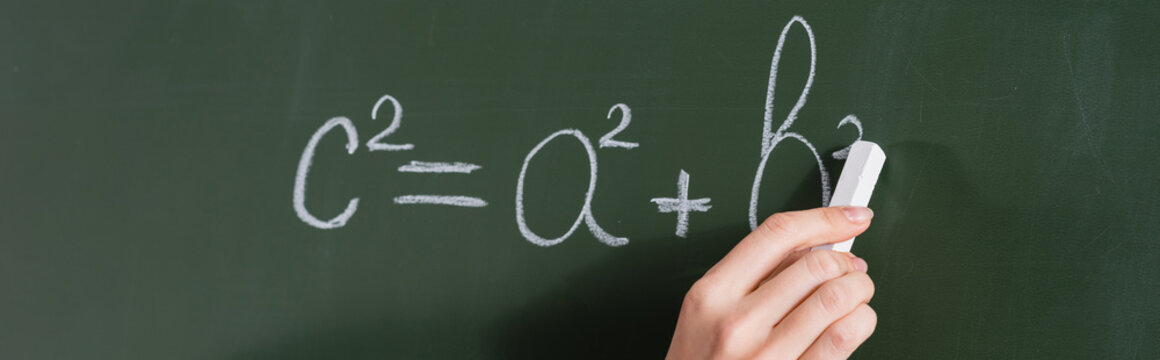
945,255
625,307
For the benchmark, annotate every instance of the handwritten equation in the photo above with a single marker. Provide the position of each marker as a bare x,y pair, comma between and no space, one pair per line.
682,205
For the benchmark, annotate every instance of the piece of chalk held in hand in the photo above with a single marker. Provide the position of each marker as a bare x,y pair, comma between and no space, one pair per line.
856,182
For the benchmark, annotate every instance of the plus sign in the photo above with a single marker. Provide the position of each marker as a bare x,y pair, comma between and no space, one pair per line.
681,204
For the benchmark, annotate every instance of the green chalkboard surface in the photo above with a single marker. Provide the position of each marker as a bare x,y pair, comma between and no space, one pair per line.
429,179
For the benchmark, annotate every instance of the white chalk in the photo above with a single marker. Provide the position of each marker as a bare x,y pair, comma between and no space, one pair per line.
682,204
425,167
452,200
856,183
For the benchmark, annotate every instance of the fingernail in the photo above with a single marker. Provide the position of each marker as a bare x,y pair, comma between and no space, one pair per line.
858,214
860,264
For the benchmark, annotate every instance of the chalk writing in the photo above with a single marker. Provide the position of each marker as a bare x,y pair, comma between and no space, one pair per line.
423,167
304,169
451,200
845,152
375,143
770,138
682,205
438,167
625,118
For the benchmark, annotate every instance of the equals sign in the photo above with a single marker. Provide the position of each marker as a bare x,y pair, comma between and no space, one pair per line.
423,167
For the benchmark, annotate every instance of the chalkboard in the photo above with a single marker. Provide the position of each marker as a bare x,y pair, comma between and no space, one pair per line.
486,179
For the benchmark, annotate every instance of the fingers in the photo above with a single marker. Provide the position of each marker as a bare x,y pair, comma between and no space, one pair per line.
789,259
778,296
832,301
842,337
773,297
756,256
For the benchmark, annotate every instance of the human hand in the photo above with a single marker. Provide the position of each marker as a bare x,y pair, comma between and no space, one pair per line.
773,298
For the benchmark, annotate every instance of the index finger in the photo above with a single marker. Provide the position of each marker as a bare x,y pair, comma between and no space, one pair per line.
756,256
